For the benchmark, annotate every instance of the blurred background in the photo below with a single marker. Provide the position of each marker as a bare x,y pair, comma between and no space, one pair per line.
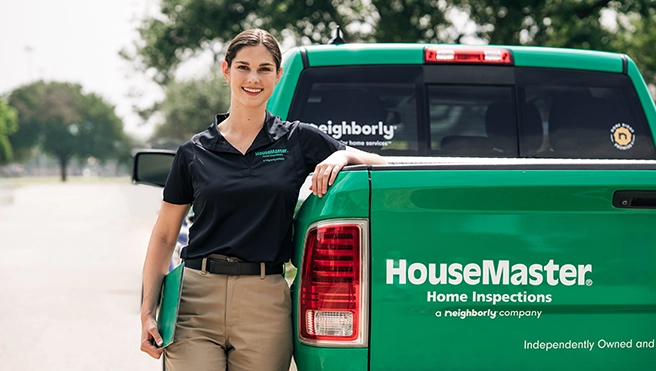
83,84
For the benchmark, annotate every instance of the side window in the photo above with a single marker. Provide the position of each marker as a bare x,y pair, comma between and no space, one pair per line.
476,121
372,108
589,115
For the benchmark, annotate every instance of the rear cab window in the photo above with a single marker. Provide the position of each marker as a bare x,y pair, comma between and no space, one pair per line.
373,108
476,111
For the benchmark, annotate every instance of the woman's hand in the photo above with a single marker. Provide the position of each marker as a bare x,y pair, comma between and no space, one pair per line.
326,172
149,336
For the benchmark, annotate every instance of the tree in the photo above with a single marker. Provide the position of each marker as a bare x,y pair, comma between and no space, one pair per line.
64,122
187,28
570,24
189,106
8,126
411,21
637,39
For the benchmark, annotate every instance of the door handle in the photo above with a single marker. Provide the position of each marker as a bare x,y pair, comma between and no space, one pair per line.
634,199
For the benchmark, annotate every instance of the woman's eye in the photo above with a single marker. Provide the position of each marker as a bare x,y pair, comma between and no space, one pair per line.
242,68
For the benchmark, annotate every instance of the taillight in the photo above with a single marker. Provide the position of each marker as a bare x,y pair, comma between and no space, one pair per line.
460,54
333,286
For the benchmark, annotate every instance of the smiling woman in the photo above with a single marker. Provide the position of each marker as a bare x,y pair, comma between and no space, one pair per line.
242,175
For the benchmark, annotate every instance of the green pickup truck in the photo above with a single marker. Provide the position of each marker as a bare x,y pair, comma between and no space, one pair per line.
514,229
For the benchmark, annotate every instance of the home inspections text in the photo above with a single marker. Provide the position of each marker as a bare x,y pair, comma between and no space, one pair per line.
488,272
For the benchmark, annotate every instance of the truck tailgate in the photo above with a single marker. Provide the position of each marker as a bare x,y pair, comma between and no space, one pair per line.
512,269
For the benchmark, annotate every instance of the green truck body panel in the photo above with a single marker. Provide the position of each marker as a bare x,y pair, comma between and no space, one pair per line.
381,54
281,99
316,358
567,58
364,54
523,217
348,199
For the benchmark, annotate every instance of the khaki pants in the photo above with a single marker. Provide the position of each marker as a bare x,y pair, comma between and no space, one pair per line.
234,323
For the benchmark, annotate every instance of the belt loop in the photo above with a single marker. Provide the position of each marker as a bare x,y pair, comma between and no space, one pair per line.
203,268
262,270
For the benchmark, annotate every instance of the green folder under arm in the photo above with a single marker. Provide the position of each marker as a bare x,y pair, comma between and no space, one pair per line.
170,304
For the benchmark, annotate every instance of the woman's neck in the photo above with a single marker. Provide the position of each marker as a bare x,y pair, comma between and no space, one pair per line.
241,127
244,120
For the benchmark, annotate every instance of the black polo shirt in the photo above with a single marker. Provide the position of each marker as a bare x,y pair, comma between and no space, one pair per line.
244,204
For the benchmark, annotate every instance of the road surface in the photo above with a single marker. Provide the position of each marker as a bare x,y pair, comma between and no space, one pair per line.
70,275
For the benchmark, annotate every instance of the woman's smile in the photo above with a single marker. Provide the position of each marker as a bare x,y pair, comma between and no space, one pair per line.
253,91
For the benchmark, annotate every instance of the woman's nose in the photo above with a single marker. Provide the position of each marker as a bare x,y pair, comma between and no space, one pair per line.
252,76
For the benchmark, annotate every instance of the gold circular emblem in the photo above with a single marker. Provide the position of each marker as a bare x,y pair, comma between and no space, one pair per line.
623,136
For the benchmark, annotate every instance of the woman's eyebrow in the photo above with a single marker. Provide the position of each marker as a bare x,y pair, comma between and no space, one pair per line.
261,64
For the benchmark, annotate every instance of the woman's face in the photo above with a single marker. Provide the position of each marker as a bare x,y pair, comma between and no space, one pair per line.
252,76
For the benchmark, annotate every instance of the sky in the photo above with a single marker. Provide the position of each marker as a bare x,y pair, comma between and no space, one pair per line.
77,41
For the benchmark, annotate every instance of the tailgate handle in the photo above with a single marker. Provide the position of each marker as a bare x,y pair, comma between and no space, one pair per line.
635,199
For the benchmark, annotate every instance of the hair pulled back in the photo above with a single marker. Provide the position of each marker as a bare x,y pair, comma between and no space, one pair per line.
254,37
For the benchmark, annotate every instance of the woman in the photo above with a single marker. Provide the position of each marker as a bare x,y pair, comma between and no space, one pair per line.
243,176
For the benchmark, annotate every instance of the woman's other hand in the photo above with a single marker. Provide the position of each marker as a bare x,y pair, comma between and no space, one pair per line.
150,336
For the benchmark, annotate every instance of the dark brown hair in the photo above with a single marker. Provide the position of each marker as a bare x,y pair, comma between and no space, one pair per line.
254,37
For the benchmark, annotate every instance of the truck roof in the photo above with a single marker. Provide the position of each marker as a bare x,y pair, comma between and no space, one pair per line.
413,53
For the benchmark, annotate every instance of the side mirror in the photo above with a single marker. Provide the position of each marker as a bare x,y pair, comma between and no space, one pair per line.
152,167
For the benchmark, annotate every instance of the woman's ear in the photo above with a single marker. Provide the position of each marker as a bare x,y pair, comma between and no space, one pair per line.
279,74
226,71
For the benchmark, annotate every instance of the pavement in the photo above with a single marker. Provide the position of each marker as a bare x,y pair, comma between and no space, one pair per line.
71,256
70,275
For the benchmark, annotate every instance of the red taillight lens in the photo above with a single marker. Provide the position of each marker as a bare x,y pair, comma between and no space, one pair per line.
331,289
476,55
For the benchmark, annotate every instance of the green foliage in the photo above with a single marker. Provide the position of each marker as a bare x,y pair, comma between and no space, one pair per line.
8,126
570,24
64,122
189,106
187,27
314,21
411,21
637,39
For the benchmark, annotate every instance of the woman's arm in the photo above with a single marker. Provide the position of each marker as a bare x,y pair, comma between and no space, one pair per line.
160,248
326,172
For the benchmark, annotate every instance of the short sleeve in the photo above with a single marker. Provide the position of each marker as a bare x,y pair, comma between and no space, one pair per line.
316,145
179,189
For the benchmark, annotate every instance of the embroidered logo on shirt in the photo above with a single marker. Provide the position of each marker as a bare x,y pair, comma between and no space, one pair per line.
272,155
